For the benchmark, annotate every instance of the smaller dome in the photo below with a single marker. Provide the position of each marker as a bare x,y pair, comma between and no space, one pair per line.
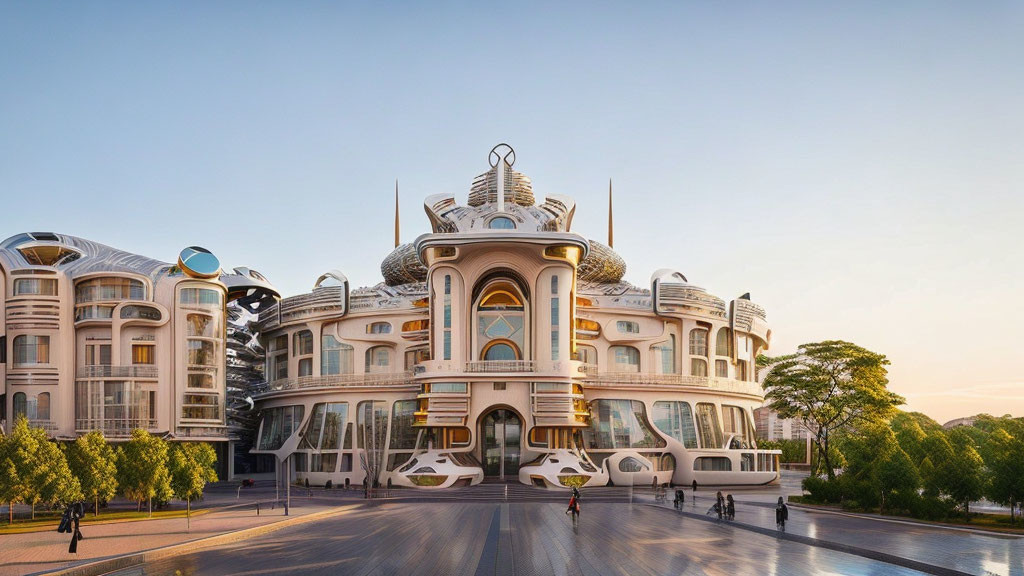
602,265
403,266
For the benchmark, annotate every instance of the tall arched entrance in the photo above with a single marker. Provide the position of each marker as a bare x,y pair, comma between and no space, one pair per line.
501,431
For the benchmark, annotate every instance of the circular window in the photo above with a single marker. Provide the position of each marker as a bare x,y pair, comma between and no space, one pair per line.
198,262
501,223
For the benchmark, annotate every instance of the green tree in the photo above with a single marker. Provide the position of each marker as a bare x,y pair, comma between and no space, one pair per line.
34,470
964,480
94,463
142,470
830,387
1004,457
896,479
191,466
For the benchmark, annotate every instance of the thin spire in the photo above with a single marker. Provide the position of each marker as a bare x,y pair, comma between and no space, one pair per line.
611,234
397,236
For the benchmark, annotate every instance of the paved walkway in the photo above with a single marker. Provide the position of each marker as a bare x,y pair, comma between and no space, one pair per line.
965,551
514,539
42,551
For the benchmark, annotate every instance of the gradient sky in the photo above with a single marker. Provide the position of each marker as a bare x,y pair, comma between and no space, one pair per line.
856,167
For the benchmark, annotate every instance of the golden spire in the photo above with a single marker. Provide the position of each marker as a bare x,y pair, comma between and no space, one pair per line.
397,237
611,235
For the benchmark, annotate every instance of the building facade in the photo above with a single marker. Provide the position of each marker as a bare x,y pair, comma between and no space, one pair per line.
94,338
770,426
501,344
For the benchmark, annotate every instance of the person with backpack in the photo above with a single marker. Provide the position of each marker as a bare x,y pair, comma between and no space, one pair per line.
781,514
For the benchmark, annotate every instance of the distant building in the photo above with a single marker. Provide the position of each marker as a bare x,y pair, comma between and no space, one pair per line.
770,426
965,421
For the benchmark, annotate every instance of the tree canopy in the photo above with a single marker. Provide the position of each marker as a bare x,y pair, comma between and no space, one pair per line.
191,467
830,386
142,468
93,461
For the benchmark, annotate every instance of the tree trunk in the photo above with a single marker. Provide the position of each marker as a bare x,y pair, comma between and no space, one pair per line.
150,506
33,509
188,514
96,506
10,512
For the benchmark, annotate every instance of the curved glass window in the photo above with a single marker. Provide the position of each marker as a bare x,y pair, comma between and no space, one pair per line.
630,464
133,312
675,419
500,316
326,427
501,223
712,464
698,342
736,424
665,356
378,328
628,327
403,435
708,428
336,357
37,286
624,359
29,350
200,297
378,359
723,345
500,351
109,288
94,312
372,425
619,424
278,425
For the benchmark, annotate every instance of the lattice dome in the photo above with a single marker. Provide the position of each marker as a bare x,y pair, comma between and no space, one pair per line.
602,265
518,188
403,266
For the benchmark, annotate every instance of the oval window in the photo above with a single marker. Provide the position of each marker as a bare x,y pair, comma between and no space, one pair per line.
500,351
501,223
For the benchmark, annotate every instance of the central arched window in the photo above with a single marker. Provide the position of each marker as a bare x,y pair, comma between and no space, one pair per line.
500,322
500,350
723,344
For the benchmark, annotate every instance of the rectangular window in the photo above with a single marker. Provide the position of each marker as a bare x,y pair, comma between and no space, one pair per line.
698,342
447,317
142,354
200,381
628,327
97,354
698,367
36,286
29,350
200,297
499,385
306,367
448,388
303,343
554,317
336,357
201,353
721,369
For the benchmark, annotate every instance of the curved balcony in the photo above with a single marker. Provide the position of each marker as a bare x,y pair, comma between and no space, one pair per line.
636,379
370,380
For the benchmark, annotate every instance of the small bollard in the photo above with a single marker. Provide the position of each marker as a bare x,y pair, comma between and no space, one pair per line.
257,508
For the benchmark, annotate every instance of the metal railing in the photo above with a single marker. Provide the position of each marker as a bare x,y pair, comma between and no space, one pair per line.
137,371
340,381
48,425
114,428
640,379
500,366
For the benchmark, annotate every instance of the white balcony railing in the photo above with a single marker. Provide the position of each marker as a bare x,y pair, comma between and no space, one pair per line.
612,379
136,371
500,366
114,428
397,379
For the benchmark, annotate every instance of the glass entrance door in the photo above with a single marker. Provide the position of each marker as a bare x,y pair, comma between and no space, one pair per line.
501,433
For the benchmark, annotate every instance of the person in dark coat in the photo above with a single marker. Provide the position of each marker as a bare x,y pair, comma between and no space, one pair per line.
77,513
719,505
781,514
574,502
730,508
680,498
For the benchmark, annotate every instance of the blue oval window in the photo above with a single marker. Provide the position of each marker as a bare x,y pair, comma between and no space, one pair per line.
500,352
501,223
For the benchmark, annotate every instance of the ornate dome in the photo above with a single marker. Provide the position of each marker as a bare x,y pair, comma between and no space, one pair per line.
403,266
518,188
602,265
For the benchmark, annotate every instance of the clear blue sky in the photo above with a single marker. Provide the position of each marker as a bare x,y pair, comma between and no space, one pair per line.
857,167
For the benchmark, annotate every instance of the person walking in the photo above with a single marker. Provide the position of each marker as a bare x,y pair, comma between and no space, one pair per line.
77,513
719,504
680,498
730,508
574,503
781,514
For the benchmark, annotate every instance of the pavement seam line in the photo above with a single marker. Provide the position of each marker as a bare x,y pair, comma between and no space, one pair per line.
828,545
107,565
909,522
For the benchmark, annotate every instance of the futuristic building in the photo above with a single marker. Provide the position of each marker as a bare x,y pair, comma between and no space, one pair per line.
94,338
503,345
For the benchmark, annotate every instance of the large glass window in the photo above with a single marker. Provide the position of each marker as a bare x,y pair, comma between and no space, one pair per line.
698,342
624,359
500,317
723,345
735,423
117,408
676,420
278,425
336,357
326,427
201,407
707,426
200,297
201,353
378,358
447,317
554,317
712,464
37,286
665,355
403,435
30,350
619,424
372,425
109,289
